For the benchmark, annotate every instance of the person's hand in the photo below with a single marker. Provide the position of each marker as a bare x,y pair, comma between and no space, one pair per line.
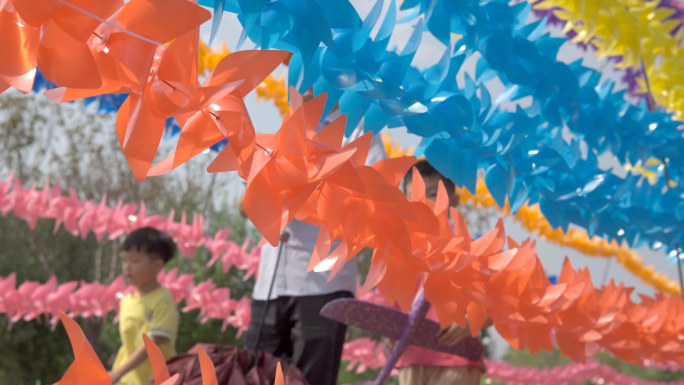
241,206
452,335
114,375
388,346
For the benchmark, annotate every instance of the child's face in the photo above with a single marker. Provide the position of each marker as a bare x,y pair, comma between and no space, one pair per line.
431,188
140,269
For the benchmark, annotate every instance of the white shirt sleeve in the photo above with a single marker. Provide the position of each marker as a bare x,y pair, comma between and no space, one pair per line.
377,148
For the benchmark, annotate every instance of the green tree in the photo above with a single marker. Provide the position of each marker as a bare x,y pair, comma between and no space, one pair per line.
78,149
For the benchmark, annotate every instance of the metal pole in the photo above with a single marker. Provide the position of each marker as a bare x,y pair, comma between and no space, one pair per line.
679,269
284,237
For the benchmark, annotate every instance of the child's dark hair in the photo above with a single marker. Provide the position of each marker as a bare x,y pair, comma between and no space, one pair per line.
151,241
426,170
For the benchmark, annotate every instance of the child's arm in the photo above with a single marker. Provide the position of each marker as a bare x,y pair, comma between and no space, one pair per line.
137,358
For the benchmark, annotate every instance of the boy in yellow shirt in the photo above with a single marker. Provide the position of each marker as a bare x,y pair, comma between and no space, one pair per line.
149,309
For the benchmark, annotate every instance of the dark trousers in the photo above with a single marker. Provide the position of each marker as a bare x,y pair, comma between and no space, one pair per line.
295,330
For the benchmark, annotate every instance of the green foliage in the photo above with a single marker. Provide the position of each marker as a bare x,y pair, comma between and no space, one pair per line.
545,359
653,374
31,351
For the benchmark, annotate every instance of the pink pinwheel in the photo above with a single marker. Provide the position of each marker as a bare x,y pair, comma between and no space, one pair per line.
363,353
218,245
65,210
244,260
38,298
22,301
9,203
36,204
143,220
8,294
119,223
242,314
59,301
220,306
81,217
116,289
5,187
199,296
180,287
91,300
233,256
94,218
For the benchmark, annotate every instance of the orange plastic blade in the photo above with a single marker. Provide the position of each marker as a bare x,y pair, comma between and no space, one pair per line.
144,131
179,63
207,368
80,25
159,369
476,318
111,83
394,169
362,146
198,134
131,71
264,206
417,186
38,12
86,368
66,61
279,378
3,85
19,51
162,20
491,242
251,65
332,135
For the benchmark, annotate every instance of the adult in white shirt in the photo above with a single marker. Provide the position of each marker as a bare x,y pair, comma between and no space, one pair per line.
293,327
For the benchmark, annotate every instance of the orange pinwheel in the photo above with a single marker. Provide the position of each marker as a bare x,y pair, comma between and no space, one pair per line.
174,90
162,81
125,47
371,216
87,45
226,116
291,164
86,368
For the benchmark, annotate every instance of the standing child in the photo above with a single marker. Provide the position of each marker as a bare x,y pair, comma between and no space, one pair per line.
419,366
149,309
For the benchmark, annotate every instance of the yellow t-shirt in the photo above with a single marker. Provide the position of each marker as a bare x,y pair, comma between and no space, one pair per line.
154,314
